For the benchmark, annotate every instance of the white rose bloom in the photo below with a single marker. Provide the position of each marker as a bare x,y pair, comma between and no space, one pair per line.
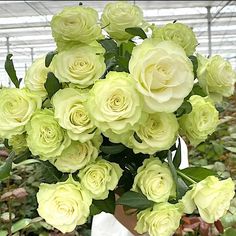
36,76
163,73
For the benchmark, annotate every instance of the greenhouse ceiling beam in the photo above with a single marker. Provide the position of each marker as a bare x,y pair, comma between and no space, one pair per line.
209,18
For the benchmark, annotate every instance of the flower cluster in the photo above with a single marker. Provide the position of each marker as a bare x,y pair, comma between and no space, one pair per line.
112,101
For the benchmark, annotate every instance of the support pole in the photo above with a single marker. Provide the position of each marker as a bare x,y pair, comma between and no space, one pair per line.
25,68
209,18
8,51
32,54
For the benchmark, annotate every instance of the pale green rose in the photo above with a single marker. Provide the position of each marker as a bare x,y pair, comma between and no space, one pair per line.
81,65
18,143
201,121
180,33
216,76
36,76
163,74
16,109
45,136
78,155
76,24
72,115
64,205
114,104
154,180
211,197
158,133
163,219
100,177
118,16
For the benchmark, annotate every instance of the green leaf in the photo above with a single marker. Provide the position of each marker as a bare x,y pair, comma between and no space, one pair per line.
126,47
26,162
50,172
185,108
195,64
22,156
182,187
5,168
231,149
10,69
94,210
19,225
114,149
197,173
49,57
52,84
3,233
197,90
85,232
230,232
135,200
177,157
136,31
110,45
106,205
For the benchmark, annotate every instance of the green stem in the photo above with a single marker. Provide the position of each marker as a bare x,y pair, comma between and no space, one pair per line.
186,177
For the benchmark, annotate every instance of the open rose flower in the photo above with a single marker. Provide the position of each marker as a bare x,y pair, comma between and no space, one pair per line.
216,76
76,24
211,197
78,155
114,103
201,121
36,76
81,65
45,136
158,133
100,177
72,114
16,108
163,219
154,180
163,74
118,16
179,33
64,205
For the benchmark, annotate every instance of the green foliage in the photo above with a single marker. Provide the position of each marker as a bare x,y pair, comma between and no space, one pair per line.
10,69
5,168
195,64
197,173
134,200
50,174
181,187
230,232
21,224
185,108
107,205
49,57
116,58
52,84
136,31
177,157
112,149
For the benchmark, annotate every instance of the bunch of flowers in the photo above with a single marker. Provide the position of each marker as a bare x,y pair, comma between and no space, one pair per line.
106,110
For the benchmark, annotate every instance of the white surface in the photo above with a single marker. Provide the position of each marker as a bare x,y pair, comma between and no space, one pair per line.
106,224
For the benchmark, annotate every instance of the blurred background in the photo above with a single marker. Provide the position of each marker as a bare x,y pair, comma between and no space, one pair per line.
25,27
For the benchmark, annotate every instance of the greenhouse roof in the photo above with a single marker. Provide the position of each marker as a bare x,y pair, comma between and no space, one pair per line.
25,26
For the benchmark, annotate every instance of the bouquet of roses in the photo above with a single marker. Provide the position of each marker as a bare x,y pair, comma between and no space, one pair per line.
106,109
